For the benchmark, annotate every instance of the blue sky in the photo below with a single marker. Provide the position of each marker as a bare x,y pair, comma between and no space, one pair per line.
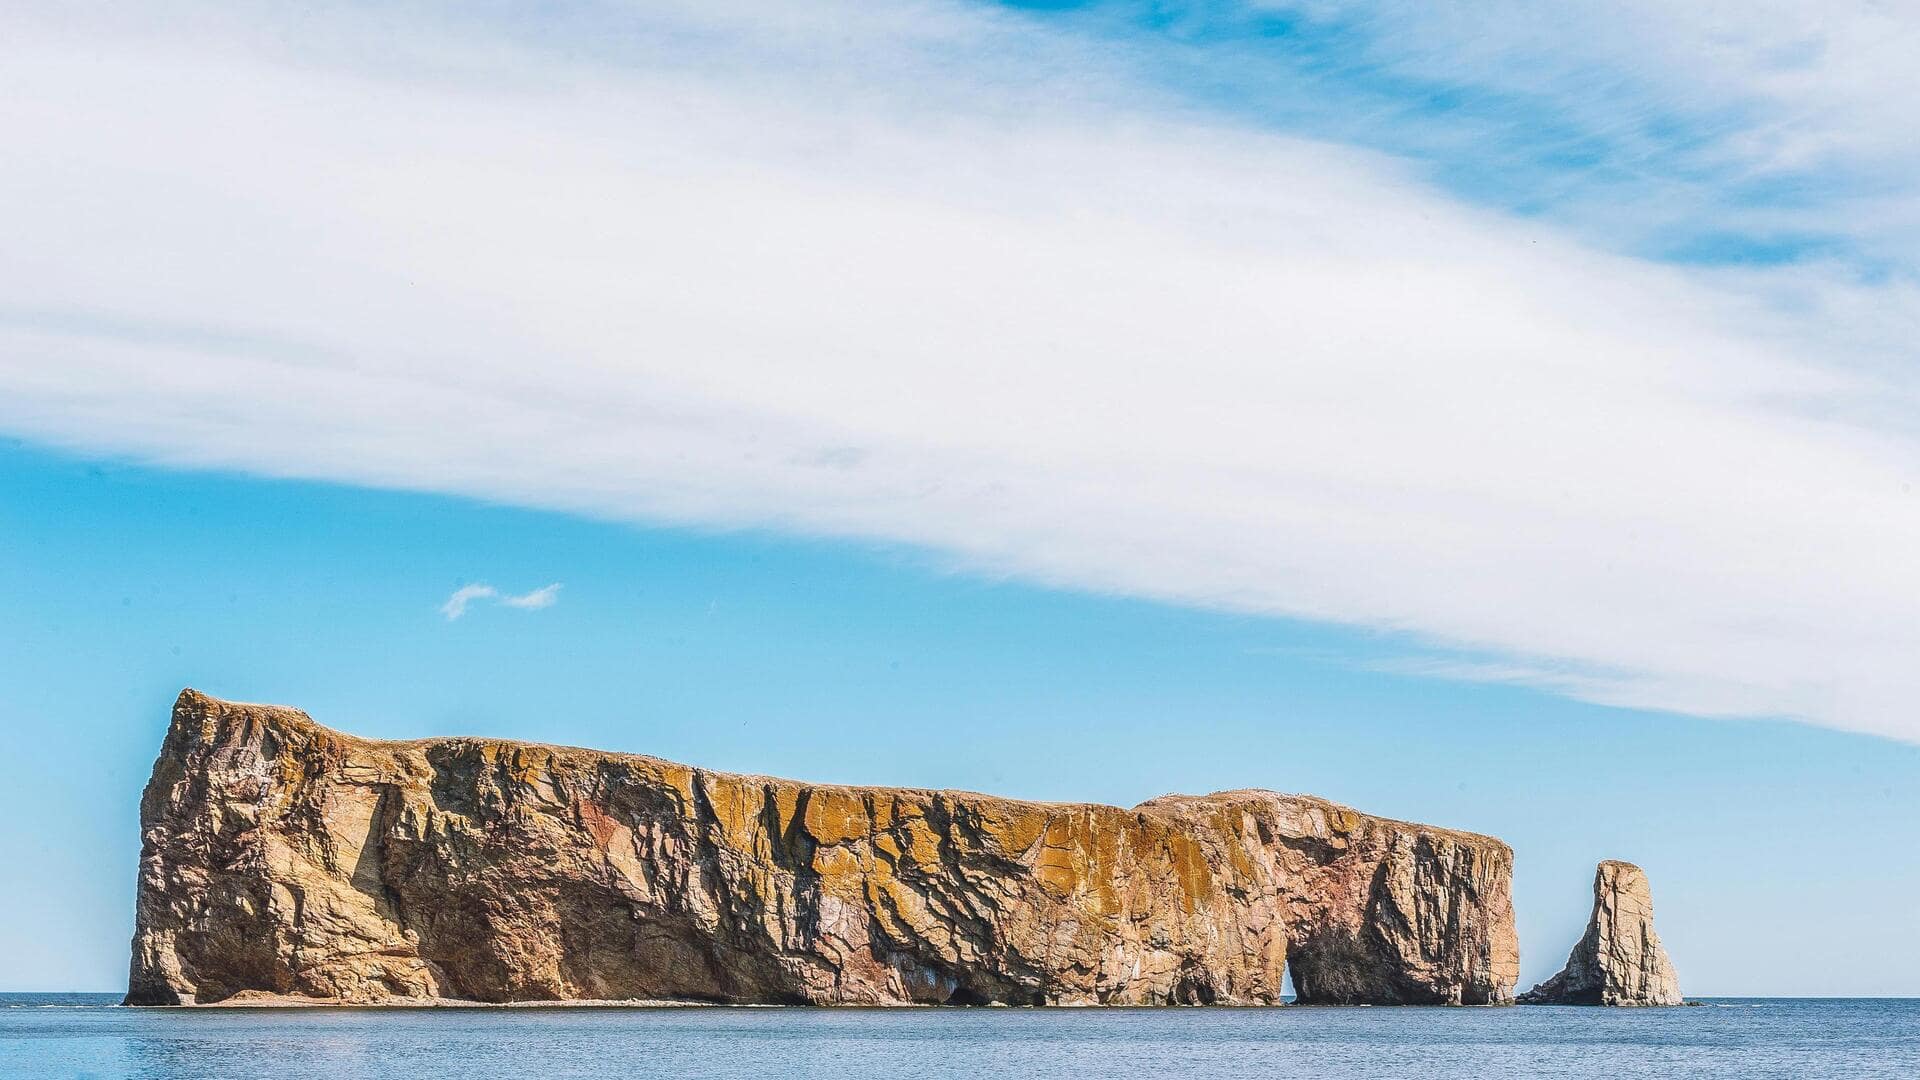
1503,418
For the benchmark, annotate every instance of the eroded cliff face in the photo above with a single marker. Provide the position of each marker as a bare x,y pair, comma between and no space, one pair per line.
283,857
1619,960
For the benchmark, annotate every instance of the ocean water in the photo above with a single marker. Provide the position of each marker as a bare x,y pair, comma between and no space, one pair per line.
84,1035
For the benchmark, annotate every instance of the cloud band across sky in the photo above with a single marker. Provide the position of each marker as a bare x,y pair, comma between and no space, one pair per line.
968,288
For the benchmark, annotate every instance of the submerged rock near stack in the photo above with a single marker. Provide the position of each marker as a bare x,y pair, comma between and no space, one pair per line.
283,858
1619,961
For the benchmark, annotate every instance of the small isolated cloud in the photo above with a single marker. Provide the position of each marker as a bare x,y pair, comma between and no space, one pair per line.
464,596
456,604
543,597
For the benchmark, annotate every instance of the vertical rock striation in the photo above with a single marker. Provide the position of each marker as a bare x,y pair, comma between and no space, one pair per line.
281,857
1619,961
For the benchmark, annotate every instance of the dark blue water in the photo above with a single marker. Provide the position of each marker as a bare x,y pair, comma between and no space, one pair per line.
82,1036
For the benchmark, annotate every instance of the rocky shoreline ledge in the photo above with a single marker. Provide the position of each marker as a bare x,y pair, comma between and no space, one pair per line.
260,999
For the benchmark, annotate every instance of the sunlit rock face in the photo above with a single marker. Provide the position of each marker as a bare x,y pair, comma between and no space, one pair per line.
284,858
1619,961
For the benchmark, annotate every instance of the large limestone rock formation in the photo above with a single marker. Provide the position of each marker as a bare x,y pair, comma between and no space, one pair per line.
281,857
1619,961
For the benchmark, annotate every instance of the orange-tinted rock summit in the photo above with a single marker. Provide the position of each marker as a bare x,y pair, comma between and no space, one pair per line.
281,857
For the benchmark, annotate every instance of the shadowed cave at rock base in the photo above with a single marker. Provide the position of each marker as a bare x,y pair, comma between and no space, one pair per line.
282,857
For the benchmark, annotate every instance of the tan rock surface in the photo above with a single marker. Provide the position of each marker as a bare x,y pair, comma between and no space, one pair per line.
283,858
1619,961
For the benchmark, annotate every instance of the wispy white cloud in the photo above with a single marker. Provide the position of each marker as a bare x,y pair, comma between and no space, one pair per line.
466,595
543,597
1773,85
1768,118
846,272
462,597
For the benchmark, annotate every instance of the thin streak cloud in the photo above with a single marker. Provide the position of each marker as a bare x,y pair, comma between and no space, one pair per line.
466,596
543,597
457,604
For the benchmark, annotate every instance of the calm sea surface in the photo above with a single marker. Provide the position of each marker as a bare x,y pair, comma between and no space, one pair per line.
82,1035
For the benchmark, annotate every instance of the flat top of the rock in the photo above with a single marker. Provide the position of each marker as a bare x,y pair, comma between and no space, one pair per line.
194,703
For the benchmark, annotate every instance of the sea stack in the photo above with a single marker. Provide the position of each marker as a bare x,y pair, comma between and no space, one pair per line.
284,860
1619,961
